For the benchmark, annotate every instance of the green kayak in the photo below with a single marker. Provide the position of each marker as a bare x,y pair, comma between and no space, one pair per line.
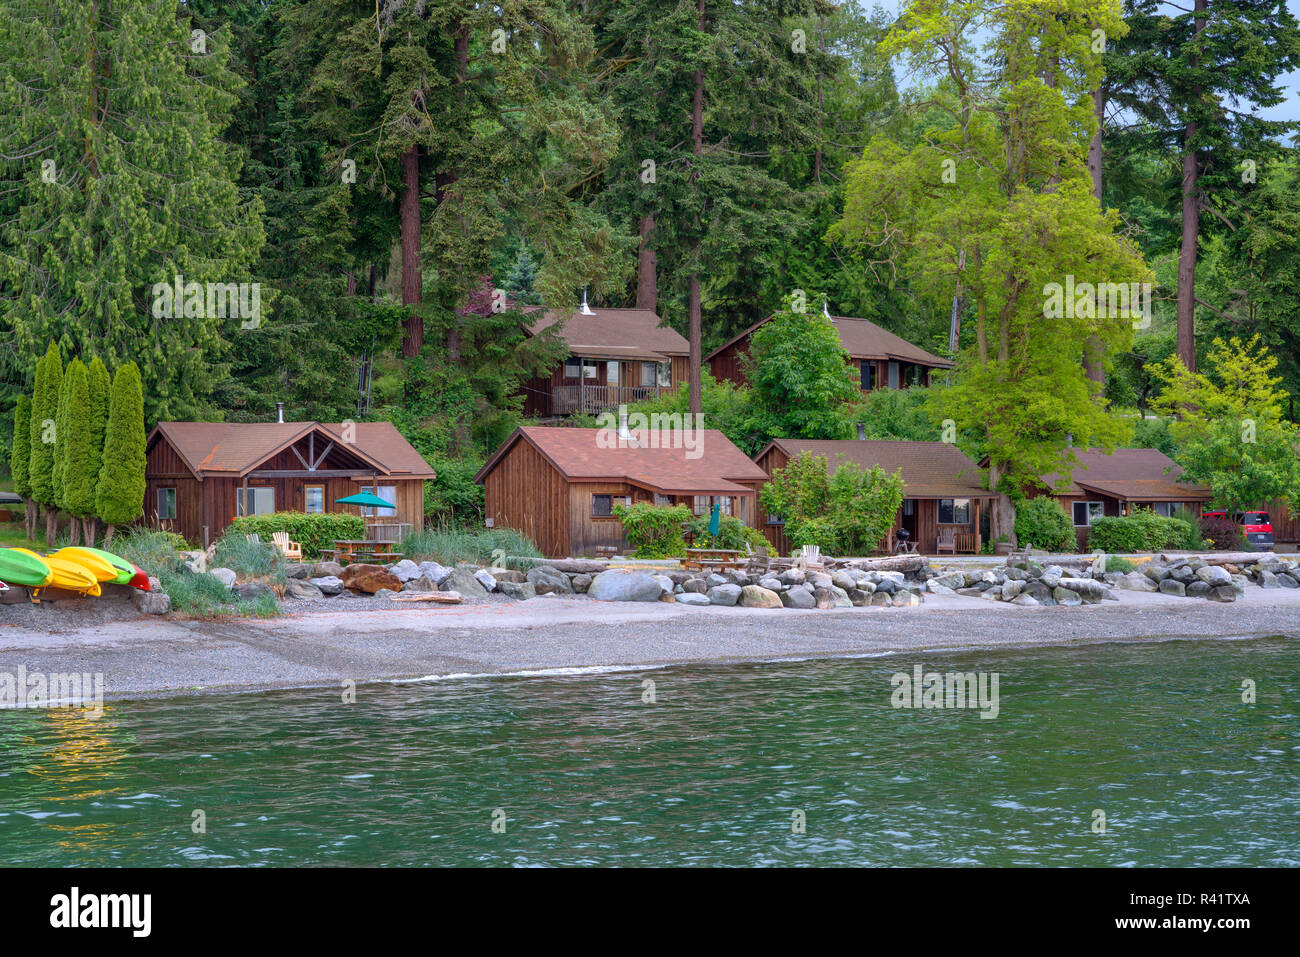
19,566
125,570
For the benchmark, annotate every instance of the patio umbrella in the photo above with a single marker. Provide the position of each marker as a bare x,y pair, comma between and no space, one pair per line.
714,519
369,499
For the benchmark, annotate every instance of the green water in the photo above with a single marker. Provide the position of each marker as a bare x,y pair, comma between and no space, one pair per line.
585,772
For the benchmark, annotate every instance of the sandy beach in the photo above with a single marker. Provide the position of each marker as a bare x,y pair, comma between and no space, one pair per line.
314,646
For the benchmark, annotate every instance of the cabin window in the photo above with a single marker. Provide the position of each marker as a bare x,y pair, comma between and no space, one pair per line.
313,499
649,374
893,375
166,504
665,375
868,375
663,499
588,369
571,368
913,375
704,504
954,511
388,493
611,373
256,501
909,506
1167,509
1085,513
774,519
602,506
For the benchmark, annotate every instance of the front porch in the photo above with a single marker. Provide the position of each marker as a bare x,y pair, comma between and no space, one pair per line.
939,526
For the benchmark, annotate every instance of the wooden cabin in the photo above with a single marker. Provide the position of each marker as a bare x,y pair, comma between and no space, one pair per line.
559,486
880,359
200,476
942,488
1114,484
616,356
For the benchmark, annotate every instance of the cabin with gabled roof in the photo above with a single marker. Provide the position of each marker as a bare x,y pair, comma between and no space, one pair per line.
200,476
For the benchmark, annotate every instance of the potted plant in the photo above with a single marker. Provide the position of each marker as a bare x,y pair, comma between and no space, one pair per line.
1003,546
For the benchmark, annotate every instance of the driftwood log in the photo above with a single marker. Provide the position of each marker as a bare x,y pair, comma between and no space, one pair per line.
896,563
442,597
1228,558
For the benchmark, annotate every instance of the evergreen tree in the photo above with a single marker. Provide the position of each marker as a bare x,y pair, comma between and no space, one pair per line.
45,405
58,470
75,442
99,387
119,496
522,278
20,457
111,154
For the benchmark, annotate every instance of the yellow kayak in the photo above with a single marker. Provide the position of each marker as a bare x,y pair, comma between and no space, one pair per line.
89,560
68,575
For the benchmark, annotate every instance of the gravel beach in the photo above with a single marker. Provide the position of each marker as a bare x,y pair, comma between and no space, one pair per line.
318,644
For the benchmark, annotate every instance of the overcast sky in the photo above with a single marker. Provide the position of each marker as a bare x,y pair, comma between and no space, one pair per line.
1288,110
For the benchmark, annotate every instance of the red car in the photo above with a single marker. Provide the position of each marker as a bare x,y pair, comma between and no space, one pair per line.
1256,526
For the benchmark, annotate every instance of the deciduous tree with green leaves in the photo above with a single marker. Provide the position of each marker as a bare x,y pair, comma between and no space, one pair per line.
849,511
1229,429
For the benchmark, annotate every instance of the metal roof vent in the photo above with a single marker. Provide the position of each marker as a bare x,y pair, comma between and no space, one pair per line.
586,309
279,412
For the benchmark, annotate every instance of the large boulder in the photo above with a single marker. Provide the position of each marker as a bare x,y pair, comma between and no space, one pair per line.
1171,586
696,585
297,570
581,582
549,580
1136,581
155,601
1066,596
792,576
519,590
368,579
1287,581
405,570
754,596
328,584
224,575
1214,576
435,572
1087,589
578,566
1199,589
302,590
326,570
625,586
486,579
420,584
462,580
252,590
1222,593
1025,599
693,598
798,597
724,594
1052,575
666,583
507,575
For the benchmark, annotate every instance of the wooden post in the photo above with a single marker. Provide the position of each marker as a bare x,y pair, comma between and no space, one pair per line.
977,525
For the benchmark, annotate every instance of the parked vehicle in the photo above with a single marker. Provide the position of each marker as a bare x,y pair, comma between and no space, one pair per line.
1257,527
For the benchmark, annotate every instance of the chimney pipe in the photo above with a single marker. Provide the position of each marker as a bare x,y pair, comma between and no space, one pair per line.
279,412
586,309
862,432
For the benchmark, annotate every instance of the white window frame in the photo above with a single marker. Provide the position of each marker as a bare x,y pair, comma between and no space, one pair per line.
1074,513
306,505
368,511
257,493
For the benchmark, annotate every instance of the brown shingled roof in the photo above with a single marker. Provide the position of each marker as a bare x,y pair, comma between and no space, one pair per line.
576,454
615,334
863,339
1134,474
930,469
236,448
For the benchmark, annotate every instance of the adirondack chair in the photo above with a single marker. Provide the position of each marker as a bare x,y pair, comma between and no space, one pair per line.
760,559
254,539
811,558
287,548
947,540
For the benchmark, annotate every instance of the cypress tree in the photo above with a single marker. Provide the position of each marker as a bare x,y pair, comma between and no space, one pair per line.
20,457
100,385
119,498
45,404
74,447
60,466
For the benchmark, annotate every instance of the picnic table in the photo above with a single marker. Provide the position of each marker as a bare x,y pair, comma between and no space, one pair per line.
348,550
721,559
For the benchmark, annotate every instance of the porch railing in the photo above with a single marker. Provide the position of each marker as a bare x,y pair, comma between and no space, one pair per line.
567,399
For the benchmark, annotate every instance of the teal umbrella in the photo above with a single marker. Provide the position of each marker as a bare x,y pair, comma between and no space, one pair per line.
714,519
369,499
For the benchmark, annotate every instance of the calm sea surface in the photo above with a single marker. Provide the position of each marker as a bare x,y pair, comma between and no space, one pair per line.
720,770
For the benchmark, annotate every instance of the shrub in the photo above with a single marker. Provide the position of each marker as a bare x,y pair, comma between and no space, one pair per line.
455,499
850,511
1116,564
488,546
1043,523
655,531
313,532
199,595
248,559
153,550
1143,531
1224,533
732,533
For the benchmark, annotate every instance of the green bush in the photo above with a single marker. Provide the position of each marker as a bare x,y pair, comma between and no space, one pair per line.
655,531
1143,531
454,498
313,532
488,546
732,533
1116,564
1043,523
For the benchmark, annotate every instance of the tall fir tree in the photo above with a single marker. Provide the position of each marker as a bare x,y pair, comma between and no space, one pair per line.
75,440
20,457
99,387
120,182
119,496
43,436
58,471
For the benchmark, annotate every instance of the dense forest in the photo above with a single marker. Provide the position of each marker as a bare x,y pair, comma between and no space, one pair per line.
380,167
